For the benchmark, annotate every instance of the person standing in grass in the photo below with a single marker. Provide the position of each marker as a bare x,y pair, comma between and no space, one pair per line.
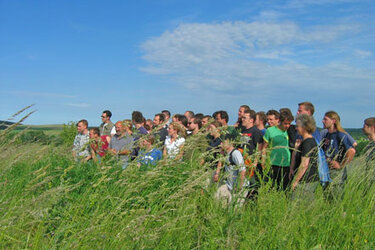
235,170
276,139
173,146
240,113
148,155
98,144
369,130
121,144
194,125
161,130
306,178
81,150
338,149
261,121
107,127
167,117
223,117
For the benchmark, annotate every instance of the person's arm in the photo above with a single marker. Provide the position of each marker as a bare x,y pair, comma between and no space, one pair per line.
293,158
301,171
164,152
217,172
239,161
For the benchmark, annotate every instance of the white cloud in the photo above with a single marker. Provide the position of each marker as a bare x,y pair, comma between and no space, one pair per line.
362,53
230,56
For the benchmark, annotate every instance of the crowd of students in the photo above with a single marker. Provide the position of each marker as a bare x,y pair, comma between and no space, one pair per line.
258,146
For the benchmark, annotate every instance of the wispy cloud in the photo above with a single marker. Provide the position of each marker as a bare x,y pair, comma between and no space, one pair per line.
39,94
362,53
227,55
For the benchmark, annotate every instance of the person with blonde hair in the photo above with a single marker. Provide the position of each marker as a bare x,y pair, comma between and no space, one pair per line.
338,149
174,141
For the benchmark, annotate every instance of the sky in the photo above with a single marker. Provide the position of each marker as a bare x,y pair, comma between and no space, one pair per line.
74,59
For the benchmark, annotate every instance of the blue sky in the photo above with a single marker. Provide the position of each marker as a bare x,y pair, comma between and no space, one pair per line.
74,59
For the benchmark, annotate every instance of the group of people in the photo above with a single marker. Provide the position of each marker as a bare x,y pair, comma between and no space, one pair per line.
259,146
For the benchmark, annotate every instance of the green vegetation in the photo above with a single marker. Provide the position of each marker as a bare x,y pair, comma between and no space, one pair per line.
50,201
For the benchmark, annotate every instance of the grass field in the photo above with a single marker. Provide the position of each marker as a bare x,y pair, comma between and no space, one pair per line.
49,201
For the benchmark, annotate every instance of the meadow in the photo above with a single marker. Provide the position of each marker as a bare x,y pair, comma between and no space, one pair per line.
47,200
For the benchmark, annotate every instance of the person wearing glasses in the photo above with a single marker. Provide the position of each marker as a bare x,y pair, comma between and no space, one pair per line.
107,127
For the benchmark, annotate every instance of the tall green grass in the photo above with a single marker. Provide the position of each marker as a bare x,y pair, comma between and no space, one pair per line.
49,201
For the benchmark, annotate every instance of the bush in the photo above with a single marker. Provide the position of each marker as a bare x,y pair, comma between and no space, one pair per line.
68,133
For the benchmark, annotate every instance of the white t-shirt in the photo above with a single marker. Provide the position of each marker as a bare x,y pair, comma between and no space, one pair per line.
173,148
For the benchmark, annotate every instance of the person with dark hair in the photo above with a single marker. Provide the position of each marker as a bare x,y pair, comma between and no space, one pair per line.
369,131
181,119
261,121
290,128
189,114
273,118
199,116
338,149
276,139
167,116
241,112
251,137
98,144
306,159
228,131
194,125
148,125
206,120
107,127
161,131
137,119
81,150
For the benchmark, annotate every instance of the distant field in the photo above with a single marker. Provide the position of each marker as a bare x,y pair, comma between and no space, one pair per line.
50,129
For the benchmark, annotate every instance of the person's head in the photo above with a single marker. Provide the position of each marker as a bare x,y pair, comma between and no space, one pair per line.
119,126
158,119
242,110
305,108
189,114
332,120
248,118
369,127
273,117
106,116
261,119
199,115
205,120
195,124
148,125
286,118
167,114
214,128
176,129
127,125
82,126
175,117
305,124
147,141
222,117
94,133
137,117
182,120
